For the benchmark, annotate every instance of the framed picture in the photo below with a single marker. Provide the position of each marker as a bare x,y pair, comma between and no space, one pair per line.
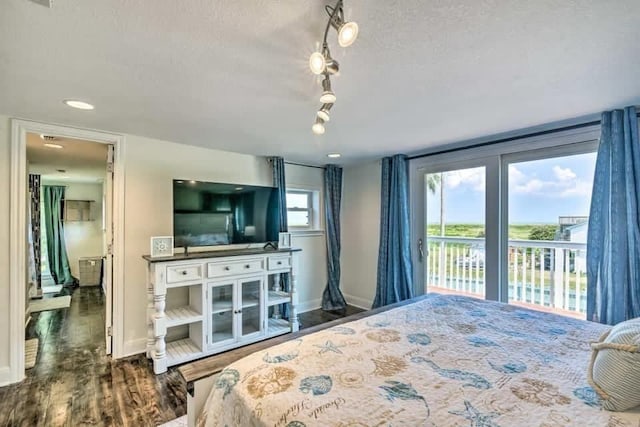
284,240
161,246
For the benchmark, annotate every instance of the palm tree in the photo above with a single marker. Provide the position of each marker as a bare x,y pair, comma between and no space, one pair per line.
434,181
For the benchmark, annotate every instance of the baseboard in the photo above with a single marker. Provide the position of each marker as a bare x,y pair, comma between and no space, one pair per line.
313,304
134,347
362,303
5,376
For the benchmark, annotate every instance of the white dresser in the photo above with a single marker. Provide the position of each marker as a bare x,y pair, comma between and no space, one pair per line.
205,303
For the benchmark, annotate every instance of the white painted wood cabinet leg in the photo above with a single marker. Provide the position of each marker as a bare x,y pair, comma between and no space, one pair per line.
276,288
151,341
159,323
160,332
293,277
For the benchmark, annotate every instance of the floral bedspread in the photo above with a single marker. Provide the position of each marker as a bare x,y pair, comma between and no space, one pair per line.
442,361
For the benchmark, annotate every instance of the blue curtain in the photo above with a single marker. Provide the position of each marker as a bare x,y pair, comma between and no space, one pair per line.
56,248
279,181
395,272
613,241
332,298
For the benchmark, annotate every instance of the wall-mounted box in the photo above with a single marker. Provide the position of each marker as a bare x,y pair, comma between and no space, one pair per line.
78,210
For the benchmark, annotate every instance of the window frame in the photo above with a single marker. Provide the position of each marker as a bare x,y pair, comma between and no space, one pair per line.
309,209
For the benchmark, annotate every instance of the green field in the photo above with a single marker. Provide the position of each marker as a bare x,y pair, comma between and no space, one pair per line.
518,231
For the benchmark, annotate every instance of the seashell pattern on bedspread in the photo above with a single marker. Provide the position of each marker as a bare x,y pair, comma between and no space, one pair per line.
442,361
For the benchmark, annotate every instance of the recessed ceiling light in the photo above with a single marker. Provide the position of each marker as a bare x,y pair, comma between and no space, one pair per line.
333,155
192,182
50,145
179,182
81,105
239,188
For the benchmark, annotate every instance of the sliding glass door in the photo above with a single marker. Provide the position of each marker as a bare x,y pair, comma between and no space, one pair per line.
506,222
549,196
452,247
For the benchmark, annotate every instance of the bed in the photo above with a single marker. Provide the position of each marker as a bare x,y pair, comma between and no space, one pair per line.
444,360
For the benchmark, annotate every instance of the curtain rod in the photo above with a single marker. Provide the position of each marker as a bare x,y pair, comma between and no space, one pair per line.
511,138
303,165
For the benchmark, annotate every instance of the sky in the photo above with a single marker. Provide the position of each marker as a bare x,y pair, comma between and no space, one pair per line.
539,192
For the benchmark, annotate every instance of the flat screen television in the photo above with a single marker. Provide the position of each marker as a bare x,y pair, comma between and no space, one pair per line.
211,213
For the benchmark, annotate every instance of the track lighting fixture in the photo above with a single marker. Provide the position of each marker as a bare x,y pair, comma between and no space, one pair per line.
321,63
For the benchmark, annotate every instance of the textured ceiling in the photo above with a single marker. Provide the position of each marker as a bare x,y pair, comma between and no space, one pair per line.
233,75
82,161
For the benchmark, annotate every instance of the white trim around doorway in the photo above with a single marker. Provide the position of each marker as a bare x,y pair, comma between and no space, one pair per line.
18,237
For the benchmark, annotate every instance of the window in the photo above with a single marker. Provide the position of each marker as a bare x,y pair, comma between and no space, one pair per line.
300,208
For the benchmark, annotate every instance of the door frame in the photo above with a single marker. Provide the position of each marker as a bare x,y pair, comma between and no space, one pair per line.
18,230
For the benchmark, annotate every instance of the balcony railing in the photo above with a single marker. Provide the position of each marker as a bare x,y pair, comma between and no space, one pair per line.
543,274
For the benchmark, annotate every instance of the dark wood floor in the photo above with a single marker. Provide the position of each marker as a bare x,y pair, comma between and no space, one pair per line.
75,384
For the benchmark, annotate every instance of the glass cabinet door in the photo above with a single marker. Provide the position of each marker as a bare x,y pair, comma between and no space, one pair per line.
222,312
251,294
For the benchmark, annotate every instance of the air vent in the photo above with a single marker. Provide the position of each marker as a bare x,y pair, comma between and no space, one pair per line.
45,3
48,137
62,170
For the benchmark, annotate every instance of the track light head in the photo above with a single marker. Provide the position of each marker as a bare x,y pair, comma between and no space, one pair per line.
347,31
318,126
328,97
317,63
323,112
323,63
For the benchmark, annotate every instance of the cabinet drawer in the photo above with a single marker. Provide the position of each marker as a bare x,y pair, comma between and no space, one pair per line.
232,268
279,262
183,273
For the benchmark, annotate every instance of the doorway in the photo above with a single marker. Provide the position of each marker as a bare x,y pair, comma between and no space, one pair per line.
110,226
69,228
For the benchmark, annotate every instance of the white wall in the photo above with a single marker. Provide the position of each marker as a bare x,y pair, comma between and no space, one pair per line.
5,176
360,232
313,260
83,238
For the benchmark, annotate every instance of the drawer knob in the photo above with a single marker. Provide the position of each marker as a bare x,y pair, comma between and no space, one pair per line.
183,272
227,268
279,262
247,266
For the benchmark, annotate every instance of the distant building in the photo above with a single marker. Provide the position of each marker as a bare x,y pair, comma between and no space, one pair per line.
569,226
574,229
